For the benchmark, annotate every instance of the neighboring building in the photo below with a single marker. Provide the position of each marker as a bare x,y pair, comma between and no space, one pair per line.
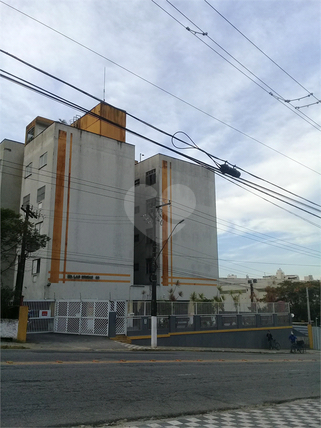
243,285
76,178
187,256
11,163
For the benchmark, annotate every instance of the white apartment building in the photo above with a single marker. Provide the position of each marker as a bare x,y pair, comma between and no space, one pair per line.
76,179
244,286
184,224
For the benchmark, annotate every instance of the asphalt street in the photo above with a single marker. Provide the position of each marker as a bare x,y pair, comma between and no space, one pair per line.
74,382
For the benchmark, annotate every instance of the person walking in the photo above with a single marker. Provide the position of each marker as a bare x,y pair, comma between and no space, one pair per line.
269,339
292,339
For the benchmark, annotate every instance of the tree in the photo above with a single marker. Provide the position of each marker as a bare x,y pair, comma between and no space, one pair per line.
12,230
171,293
294,292
18,236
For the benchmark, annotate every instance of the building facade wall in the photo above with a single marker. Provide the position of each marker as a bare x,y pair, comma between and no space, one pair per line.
11,164
86,178
188,258
11,157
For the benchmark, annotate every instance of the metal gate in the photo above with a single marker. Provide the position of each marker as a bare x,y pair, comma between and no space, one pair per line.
40,315
89,317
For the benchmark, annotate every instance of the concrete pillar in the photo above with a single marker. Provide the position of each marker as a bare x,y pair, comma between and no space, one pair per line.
197,322
219,321
258,320
144,324
112,324
239,321
23,322
172,323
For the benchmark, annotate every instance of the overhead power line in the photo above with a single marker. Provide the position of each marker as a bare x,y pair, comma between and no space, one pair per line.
158,87
199,215
272,92
207,166
267,56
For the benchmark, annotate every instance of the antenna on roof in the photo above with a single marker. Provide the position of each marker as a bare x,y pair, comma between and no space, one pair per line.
104,91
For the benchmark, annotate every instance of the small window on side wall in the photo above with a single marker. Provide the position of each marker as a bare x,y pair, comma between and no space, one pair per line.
26,201
35,266
151,177
43,160
41,193
28,170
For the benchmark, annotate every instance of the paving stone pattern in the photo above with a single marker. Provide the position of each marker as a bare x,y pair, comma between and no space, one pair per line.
299,414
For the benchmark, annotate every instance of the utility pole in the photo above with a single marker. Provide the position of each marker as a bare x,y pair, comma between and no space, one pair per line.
308,305
154,278
22,261
153,309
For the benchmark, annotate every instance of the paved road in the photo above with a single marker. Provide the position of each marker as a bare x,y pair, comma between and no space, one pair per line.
49,388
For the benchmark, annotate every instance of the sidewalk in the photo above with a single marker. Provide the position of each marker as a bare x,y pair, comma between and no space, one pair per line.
76,343
299,413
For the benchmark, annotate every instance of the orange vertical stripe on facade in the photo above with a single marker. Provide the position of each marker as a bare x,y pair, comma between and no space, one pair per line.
59,203
165,222
67,218
171,218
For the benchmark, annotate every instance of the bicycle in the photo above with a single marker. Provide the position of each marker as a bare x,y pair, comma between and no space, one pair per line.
274,344
298,346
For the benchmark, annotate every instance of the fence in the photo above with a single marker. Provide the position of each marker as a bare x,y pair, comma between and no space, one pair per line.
142,308
40,315
75,317
191,316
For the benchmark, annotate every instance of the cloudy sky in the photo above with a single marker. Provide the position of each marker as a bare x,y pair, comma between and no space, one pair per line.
213,82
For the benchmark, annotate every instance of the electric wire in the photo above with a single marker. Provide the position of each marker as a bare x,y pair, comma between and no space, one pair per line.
257,47
130,115
215,158
178,98
278,98
200,215
59,99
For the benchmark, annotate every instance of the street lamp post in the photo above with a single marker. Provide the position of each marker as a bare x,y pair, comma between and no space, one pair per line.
154,285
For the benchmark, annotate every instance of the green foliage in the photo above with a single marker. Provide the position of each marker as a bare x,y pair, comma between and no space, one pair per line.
294,292
171,293
217,301
235,297
12,229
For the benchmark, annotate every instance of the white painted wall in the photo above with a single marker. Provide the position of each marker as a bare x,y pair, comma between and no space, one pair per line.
98,237
192,251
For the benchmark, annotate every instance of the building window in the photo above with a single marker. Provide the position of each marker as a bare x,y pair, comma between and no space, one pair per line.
149,236
43,160
136,267
150,206
150,177
136,237
137,209
41,194
26,200
35,266
149,265
28,170
137,182
30,134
